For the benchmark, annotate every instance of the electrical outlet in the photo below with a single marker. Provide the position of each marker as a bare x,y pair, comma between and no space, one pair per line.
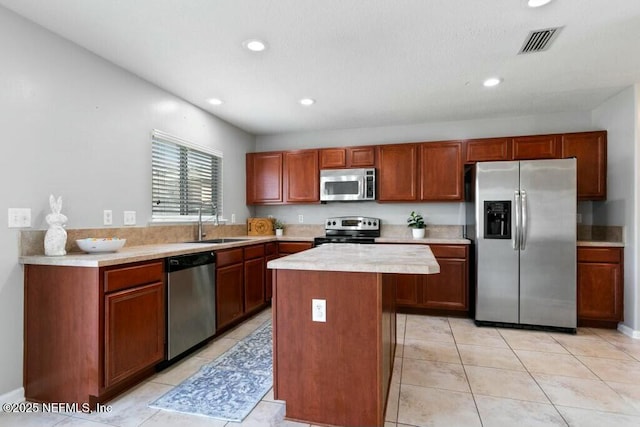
129,217
233,218
19,217
107,217
319,310
300,219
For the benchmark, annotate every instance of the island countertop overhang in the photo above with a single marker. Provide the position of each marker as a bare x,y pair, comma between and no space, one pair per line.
353,257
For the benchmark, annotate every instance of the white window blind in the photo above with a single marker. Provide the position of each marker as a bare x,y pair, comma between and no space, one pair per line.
184,178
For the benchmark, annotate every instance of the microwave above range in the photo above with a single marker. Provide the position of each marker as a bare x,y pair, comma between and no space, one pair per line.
343,185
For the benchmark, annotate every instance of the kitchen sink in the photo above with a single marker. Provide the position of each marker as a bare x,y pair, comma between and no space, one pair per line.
222,240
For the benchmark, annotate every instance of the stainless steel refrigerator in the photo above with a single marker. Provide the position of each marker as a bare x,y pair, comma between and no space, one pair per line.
525,243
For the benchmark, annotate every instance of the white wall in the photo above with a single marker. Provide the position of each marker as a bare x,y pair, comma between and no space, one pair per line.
77,126
394,213
619,115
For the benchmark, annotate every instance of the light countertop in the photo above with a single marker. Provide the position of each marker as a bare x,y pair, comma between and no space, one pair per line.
353,257
600,243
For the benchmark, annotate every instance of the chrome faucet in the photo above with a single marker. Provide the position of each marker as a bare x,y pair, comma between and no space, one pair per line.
215,217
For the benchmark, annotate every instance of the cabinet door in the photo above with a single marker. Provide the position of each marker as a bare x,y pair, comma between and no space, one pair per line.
134,331
264,178
447,290
301,176
536,147
407,286
253,284
590,150
489,149
333,158
288,248
361,157
599,291
268,279
441,172
398,172
229,294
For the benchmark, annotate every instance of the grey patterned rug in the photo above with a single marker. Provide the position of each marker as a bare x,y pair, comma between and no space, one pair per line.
229,387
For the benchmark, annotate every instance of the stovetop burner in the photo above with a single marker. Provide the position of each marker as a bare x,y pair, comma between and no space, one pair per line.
350,229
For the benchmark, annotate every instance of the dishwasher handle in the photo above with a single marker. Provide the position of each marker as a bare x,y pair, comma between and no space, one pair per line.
181,262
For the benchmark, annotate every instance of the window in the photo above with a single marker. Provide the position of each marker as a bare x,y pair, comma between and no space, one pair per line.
184,178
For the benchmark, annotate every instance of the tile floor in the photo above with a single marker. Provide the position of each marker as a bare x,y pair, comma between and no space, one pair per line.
447,372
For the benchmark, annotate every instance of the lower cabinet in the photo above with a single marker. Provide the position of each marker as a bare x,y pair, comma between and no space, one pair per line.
271,253
134,331
600,286
288,248
91,333
229,286
254,276
446,292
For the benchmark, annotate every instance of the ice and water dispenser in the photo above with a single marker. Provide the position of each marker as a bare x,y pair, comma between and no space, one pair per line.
497,219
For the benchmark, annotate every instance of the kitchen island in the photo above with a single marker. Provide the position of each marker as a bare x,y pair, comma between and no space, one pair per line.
334,329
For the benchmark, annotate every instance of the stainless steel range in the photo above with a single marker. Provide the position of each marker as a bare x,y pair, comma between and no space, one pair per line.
349,229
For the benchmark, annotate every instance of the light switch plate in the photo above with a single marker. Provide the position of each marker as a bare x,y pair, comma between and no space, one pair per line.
19,217
129,217
319,310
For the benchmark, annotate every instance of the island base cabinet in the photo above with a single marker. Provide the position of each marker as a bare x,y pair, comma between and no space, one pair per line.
338,371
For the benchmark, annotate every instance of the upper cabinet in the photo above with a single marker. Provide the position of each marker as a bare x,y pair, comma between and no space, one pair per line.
536,147
398,172
441,171
488,149
301,176
264,178
348,157
590,150
283,177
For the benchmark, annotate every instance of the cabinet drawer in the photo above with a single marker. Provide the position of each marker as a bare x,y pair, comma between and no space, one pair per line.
228,257
293,247
611,255
270,248
135,275
255,251
449,251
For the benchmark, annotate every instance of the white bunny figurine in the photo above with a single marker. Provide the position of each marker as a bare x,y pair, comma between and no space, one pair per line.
56,237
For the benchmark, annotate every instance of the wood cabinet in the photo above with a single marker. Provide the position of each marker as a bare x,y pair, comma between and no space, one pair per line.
398,172
348,157
301,176
271,253
600,286
536,147
90,333
264,178
441,171
282,177
444,293
488,149
229,286
254,278
590,150
134,331
288,248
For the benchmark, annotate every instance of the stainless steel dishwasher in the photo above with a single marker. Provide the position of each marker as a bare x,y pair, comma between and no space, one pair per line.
191,301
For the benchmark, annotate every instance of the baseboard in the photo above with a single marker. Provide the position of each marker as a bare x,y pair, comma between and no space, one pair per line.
628,331
14,396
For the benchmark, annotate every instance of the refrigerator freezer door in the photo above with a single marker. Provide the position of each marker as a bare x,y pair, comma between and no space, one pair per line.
548,259
497,291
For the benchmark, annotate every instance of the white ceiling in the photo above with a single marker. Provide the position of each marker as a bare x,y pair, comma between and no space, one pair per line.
366,62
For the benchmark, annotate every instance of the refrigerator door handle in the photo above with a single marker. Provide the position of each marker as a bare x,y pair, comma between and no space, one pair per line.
523,231
516,233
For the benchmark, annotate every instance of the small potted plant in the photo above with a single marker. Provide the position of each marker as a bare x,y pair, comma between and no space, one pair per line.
279,227
417,225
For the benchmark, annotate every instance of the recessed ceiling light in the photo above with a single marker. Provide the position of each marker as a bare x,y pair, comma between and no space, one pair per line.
215,101
493,81
537,3
307,101
254,45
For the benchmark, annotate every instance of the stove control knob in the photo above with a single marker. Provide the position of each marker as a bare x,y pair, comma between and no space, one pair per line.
334,223
369,223
375,224
328,222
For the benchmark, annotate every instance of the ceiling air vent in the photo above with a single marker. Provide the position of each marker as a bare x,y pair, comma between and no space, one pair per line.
539,40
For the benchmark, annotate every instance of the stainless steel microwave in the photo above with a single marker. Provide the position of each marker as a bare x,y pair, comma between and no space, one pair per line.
347,184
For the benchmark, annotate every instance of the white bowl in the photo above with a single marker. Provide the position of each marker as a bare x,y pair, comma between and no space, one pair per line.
94,245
